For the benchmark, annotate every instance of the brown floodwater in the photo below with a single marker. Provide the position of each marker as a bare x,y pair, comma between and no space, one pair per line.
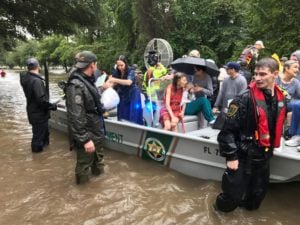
38,189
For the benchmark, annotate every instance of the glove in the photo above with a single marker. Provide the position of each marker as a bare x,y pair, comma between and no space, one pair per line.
52,107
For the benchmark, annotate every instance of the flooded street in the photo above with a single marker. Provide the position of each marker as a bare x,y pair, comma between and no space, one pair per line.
38,189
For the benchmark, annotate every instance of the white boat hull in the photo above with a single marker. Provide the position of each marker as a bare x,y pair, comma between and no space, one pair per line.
195,153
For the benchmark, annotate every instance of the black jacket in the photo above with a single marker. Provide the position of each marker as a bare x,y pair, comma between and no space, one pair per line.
236,139
84,120
38,105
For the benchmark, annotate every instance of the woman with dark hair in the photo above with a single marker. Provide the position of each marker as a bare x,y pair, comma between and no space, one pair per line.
124,81
172,110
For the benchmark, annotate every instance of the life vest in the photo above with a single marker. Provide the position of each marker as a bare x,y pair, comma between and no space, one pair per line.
262,134
247,54
153,72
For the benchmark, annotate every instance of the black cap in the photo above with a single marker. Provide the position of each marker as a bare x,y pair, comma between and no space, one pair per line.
84,58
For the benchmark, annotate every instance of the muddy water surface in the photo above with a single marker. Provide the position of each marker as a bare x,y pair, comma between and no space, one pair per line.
40,189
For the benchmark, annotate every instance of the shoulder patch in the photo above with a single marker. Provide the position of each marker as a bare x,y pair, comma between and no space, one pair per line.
78,99
232,110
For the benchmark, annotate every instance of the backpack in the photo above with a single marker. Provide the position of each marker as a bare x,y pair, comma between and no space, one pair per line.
247,54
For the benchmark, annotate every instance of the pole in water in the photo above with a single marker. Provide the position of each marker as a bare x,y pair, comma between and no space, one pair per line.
46,75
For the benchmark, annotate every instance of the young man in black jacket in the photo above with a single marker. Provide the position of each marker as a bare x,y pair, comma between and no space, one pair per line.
38,105
252,130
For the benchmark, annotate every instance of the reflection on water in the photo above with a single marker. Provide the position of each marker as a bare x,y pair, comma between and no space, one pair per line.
40,188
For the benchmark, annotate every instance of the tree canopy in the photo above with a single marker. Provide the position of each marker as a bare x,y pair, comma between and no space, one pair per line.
220,29
39,17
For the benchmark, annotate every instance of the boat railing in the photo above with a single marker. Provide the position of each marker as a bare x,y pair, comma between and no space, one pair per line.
156,90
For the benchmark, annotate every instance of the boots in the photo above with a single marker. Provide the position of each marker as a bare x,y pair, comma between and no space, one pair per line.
97,171
81,179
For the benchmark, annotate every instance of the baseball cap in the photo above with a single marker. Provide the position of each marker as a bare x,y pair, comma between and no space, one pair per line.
232,65
32,63
260,43
194,53
84,58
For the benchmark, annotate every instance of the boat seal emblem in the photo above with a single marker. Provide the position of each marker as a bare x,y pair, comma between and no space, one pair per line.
155,149
233,108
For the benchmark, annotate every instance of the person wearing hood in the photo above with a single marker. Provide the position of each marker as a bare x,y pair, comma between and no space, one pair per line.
38,106
296,57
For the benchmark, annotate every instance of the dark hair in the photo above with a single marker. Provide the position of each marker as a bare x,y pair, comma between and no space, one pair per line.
200,68
124,60
32,67
153,58
271,63
177,77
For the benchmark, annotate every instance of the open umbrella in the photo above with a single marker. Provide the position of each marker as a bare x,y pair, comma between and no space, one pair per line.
187,65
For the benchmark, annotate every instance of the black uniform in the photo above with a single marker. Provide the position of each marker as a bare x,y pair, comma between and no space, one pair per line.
246,186
38,107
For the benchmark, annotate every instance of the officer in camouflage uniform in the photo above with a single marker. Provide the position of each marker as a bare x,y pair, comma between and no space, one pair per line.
252,130
85,117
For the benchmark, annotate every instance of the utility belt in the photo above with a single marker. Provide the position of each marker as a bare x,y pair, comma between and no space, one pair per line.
94,111
252,153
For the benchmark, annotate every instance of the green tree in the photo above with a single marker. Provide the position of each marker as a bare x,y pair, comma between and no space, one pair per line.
211,26
40,17
276,23
47,47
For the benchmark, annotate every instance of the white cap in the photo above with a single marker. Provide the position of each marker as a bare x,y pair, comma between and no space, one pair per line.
260,43
211,60
194,53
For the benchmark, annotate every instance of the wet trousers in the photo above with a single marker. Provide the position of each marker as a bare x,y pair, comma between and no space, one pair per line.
40,136
244,188
87,161
202,105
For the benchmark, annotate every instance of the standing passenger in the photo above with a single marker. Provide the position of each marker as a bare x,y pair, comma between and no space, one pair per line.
251,55
85,117
231,86
124,80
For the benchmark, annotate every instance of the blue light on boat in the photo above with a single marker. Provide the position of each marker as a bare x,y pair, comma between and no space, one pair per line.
150,106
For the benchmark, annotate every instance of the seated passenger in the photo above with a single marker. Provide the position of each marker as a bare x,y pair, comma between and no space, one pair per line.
123,79
294,129
202,88
172,110
287,81
296,57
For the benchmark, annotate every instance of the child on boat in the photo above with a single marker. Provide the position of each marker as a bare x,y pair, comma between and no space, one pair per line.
172,111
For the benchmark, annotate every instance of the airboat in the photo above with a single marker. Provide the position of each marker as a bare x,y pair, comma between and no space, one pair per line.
194,152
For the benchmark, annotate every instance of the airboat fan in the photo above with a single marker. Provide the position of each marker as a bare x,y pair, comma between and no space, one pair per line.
163,49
